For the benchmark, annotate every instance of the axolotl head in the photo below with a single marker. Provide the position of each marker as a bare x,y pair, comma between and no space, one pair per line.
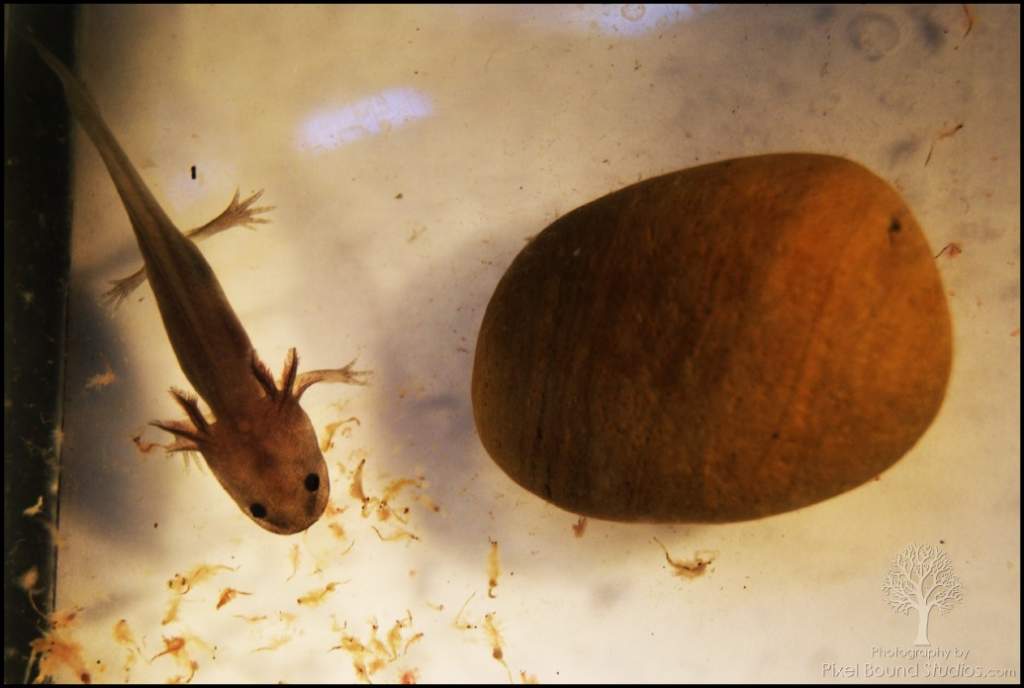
272,467
267,459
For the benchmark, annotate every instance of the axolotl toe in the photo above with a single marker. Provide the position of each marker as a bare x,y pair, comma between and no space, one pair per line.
260,445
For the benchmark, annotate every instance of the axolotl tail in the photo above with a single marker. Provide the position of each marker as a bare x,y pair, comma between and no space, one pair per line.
212,347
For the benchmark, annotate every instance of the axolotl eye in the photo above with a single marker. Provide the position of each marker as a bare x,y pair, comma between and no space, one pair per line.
257,510
312,482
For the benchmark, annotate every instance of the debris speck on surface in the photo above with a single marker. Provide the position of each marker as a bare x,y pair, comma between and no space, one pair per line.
942,135
27,581
57,652
342,427
397,534
144,446
969,19
493,569
124,637
691,568
294,556
316,597
371,656
104,379
459,622
228,594
274,644
494,639
35,508
252,619
182,584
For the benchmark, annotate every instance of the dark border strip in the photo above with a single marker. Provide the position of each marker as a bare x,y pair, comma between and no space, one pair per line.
37,228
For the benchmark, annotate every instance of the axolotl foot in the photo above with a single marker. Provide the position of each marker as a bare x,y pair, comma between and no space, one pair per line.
237,214
293,383
345,376
187,433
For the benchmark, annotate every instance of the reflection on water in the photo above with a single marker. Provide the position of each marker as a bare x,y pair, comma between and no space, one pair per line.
334,127
637,18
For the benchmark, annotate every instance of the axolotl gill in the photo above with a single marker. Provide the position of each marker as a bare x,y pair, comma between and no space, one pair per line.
260,445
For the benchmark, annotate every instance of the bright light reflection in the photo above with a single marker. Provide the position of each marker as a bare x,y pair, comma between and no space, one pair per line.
334,127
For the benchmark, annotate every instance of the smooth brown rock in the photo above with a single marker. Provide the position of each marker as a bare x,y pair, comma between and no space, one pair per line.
717,344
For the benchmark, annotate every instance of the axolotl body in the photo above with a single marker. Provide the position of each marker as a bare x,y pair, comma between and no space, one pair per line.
260,445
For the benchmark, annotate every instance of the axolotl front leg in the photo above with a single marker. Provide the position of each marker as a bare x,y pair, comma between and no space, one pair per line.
237,214
188,433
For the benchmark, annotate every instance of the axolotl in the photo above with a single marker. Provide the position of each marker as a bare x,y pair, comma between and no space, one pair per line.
260,445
